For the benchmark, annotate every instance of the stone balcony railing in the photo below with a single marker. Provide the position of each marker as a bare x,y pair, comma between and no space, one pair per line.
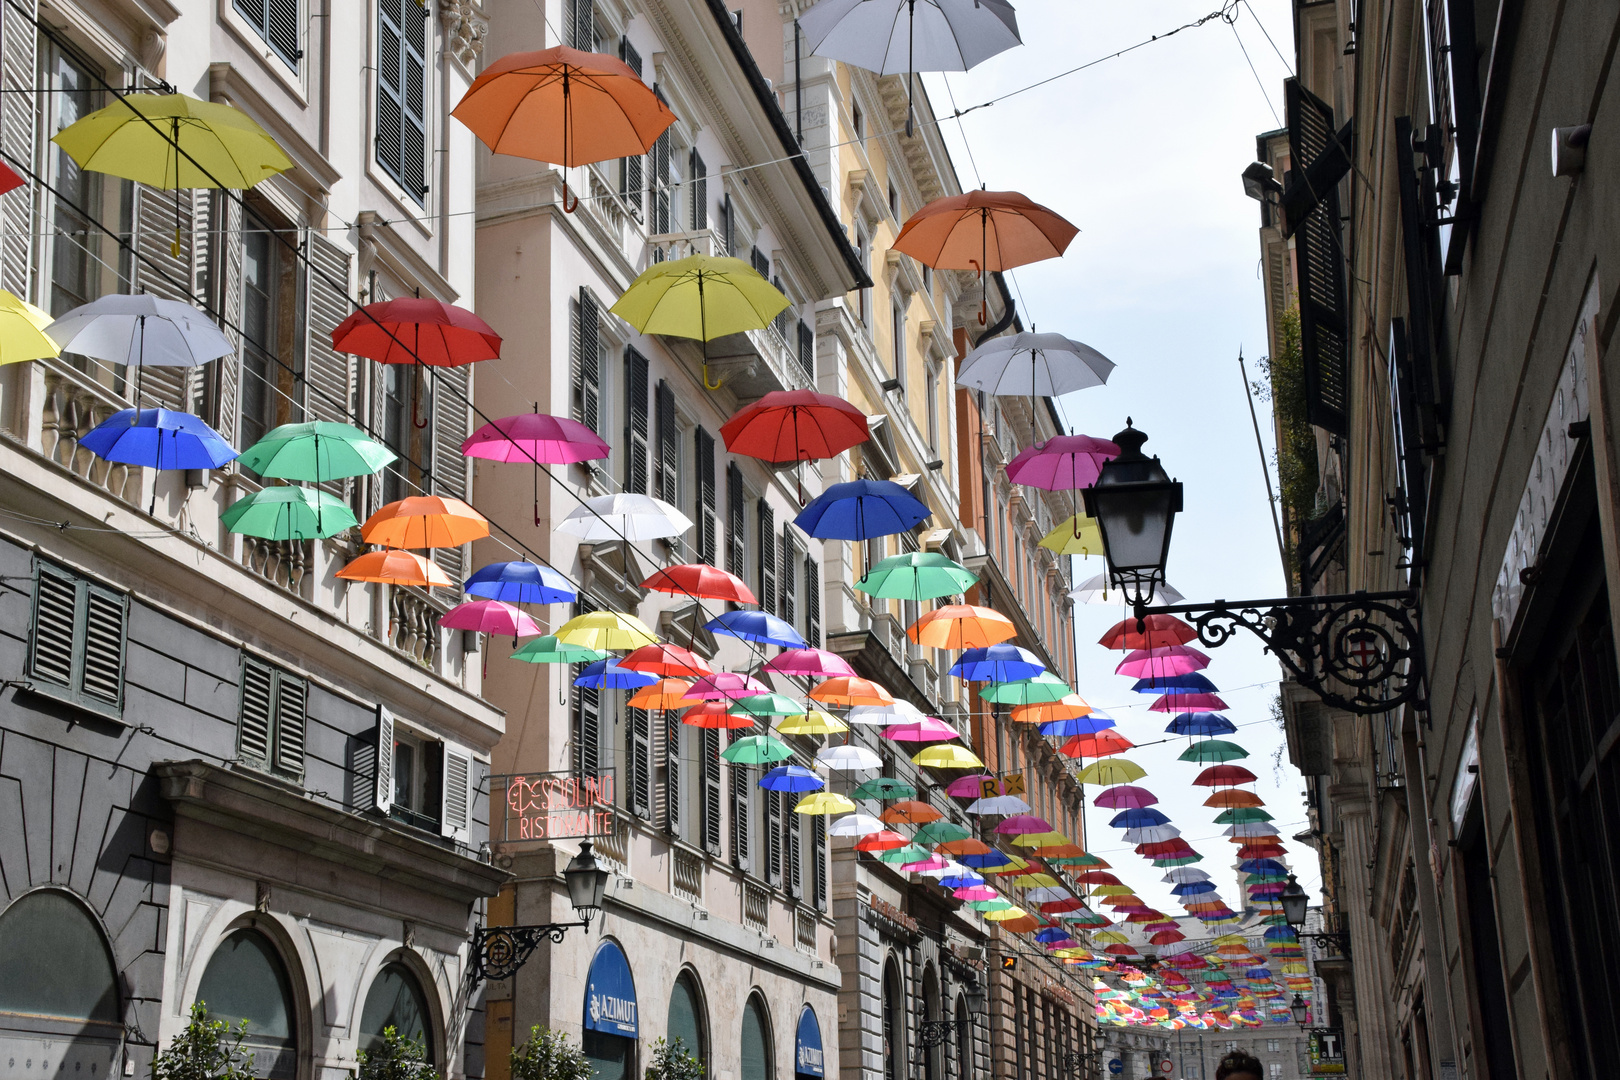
68,412
413,624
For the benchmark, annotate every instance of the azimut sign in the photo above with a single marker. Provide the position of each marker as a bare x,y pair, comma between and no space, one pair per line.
807,1058
610,993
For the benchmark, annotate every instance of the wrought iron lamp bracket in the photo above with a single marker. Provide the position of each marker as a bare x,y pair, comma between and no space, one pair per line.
1337,940
1361,652
498,951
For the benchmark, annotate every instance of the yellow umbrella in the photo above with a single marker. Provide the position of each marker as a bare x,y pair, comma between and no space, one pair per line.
948,756
1039,839
606,631
1109,937
1110,771
814,722
22,331
1113,890
1036,881
1005,915
1071,954
824,802
1077,536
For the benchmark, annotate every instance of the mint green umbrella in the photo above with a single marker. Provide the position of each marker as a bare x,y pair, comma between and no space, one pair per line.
1206,750
316,451
884,787
548,650
772,704
941,832
288,513
1042,688
1237,815
909,853
756,750
916,575
998,904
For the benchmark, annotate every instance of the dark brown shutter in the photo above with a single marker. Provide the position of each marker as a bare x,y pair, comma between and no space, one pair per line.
818,859
787,580
773,838
740,786
736,521
710,744
812,601
1424,291
767,556
672,770
587,362
699,173
707,510
807,349
630,168
669,446
1320,155
638,725
635,422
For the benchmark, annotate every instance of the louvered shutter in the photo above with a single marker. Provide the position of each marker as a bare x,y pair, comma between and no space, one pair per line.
707,510
104,620
18,75
787,580
669,446
740,790
728,226
795,854
383,771
77,641
1312,204
818,862
807,349
257,712
635,423
709,741
699,173
51,645
773,838
402,29
163,272
452,391
638,732
1411,475
331,377
225,282
767,557
581,24
658,182
587,362
672,771
812,601
587,703
736,521
292,697
1425,288
455,811
281,31
630,168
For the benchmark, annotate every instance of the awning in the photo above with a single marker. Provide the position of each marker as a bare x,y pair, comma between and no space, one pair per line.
807,1048
610,993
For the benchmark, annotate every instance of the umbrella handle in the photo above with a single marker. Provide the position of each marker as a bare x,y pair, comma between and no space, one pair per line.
715,386
568,208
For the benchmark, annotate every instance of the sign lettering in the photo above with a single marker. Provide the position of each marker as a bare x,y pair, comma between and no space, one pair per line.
557,805
1327,1052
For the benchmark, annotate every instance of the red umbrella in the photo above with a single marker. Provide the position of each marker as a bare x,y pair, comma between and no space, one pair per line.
538,438
1102,744
411,330
701,581
666,660
795,425
713,714
9,180
1261,851
883,840
1224,776
1163,847
1097,877
1058,907
1157,631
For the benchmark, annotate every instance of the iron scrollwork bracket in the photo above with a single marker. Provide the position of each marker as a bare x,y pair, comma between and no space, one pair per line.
932,1033
498,951
1338,941
1361,652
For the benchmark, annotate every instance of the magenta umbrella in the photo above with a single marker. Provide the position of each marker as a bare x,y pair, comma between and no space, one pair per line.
928,729
1125,797
1162,663
975,892
1023,823
539,439
490,617
1179,703
1063,463
968,787
933,862
815,663
727,686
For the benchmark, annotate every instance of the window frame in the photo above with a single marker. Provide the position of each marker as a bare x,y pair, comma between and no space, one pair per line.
293,63
272,761
72,691
396,181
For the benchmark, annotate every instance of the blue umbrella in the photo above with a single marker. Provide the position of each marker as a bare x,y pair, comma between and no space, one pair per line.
606,675
1090,724
1192,888
1261,866
961,881
158,439
1281,933
1139,818
997,663
1052,933
791,778
520,583
862,509
1201,723
1191,683
987,861
760,626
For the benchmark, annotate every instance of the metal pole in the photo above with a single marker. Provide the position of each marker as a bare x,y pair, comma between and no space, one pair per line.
1271,498
798,87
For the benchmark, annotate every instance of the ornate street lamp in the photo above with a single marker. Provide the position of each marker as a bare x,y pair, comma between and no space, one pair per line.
498,951
1294,902
1135,504
1301,1010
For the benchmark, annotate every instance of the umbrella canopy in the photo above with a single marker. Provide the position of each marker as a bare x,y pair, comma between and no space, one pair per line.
1157,631
1110,771
1098,745
662,694
666,660
850,690
425,521
1024,823
760,626
848,758
974,892
997,804
288,513
548,650
734,687
909,854
520,583
1062,463
608,631
394,567
22,327
892,37
824,802
1028,364
716,714
1095,590
1135,818
997,663
1240,814
756,750
703,582
795,425
884,787
1150,834
1079,535
1165,663
882,840
1224,776
814,722
928,729
855,825
1188,702
606,675
1216,750
412,330
942,832
489,617
1125,797
767,704
536,438
947,756
984,231
1043,687
1231,797
1201,723
701,297
140,329
899,711
624,516
316,451
1067,707
792,778
158,439
861,510
816,663
173,141
1191,682
961,626
909,812
916,575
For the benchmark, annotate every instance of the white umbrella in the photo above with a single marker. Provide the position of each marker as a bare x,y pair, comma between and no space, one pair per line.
1033,365
855,825
1097,590
951,868
1252,828
624,516
1151,834
141,330
1047,894
898,711
846,758
1180,875
998,804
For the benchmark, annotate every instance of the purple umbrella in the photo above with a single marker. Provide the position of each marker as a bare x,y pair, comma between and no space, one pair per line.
1125,797
967,787
928,729
1064,463
1024,823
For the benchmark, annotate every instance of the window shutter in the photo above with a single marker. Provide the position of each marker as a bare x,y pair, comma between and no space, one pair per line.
710,742
635,422
658,183
818,861
812,601
402,29
780,322
390,94
292,698
1312,205
630,168
807,349
787,580
383,773
739,812
224,218
587,362
56,604
1320,155
699,173
452,390
587,729
672,770
728,225
669,447
1411,492
707,512
736,521
761,263
1425,287
77,639
767,557
257,711
282,31
455,816
581,24
332,377
773,838
639,731
19,74
159,271
795,853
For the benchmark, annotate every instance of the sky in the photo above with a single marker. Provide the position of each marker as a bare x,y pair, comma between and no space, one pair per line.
1144,153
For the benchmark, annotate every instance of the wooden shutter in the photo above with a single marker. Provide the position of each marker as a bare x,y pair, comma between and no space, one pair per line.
1425,291
699,176
773,838
707,510
1411,499
77,641
402,29
18,75
587,361
451,424
709,743
161,271
818,862
672,770
580,24
256,713
587,734
51,645
281,31
767,556
630,168
1314,217
728,225
455,812
739,812
224,219
1320,155
736,521
331,378
383,772
658,185
795,853
635,422
787,580
807,349
812,601
669,446
638,730
104,619
292,700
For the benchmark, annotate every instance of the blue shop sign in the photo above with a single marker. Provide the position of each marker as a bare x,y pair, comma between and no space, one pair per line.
610,993
807,1052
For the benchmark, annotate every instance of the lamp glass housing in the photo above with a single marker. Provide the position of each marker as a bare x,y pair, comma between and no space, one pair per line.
1294,902
587,883
1135,504
1300,1008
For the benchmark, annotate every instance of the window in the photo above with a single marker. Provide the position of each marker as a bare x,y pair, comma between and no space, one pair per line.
422,781
76,646
272,380
897,342
271,718
857,122
894,1024
1276,1068
756,1042
932,390
396,1001
402,29
894,202
56,969
277,22
686,1020
246,980
1273,1046
406,394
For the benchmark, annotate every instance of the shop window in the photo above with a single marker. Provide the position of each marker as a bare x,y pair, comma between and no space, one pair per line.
686,1019
56,973
396,1001
756,1042
246,980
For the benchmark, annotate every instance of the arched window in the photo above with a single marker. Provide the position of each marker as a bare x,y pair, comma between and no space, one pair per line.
930,1011
396,1001
611,1024
686,1020
964,1040
894,1023
56,972
245,980
756,1042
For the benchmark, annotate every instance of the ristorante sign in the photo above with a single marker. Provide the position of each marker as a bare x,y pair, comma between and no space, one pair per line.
557,805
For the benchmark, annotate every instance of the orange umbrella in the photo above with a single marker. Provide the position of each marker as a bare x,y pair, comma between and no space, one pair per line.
963,847
1023,924
1099,745
713,714
563,106
1230,797
961,626
1060,851
394,567
847,690
425,521
909,812
1070,707
663,694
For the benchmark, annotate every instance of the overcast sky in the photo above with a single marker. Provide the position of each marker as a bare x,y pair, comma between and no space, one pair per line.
1143,152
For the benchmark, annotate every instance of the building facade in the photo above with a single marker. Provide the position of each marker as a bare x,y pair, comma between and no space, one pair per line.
230,776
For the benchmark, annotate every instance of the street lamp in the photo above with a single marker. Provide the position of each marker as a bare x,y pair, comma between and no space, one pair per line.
1260,183
1294,901
1135,504
587,883
1301,1010
498,951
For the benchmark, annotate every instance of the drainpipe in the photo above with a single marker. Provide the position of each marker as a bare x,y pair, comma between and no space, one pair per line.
1007,312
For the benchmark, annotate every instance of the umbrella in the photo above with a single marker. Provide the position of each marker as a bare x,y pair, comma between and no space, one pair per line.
861,510
394,567
767,704
1182,874
1252,828
1090,724
850,690
1044,687
974,892
974,786
997,663
882,840
606,675
928,729
9,180
1024,823
563,106
716,714
848,758
795,425
1231,797
22,327
756,750
1168,662
824,802
947,756
884,787
548,650
816,663
1201,723
701,297
702,582
1028,364
1190,683
933,863
1216,750
916,575
734,687
316,451
899,711
288,513
791,778
997,804
662,694
143,330
760,626
962,879
1150,834
1240,814
814,722
425,521
1006,916
910,812
1095,589
489,617
908,854
1180,702
1062,463
1136,818
657,659
965,846
624,516
1110,771
961,626
412,330
1067,707
538,439
520,583
606,631
158,439
855,825
1157,632
991,860
1098,745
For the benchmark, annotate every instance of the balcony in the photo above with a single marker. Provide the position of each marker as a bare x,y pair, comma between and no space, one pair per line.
686,872
756,913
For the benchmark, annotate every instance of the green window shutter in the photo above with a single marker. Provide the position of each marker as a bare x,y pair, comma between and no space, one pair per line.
51,647
292,697
257,716
103,675
76,644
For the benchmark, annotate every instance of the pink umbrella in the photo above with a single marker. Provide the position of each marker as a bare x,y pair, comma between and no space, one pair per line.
975,892
967,787
1162,663
1024,823
816,663
490,617
1062,943
1179,703
725,685
928,729
933,862
1064,463
539,439
1125,797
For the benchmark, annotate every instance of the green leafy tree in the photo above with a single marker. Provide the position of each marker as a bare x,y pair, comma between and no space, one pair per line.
672,1061
205,1050
398,1058
548,1055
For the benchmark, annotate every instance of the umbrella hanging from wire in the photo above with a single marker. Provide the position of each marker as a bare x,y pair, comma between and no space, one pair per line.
796,426
539,439
158,439
416,331
701,297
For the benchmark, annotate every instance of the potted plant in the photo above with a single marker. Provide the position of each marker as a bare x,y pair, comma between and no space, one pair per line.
397,1058
205,1050
548,1055
672,1061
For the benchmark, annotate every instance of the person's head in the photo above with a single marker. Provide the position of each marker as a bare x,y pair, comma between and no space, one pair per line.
1239,1065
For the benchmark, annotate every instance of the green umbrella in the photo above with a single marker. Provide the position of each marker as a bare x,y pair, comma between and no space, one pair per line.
1042,688
916,575
756,750
288,513
1237,815
548,650
1087,859
771,704
884,788
316,451
909,853
1206,750
998,904
941,832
